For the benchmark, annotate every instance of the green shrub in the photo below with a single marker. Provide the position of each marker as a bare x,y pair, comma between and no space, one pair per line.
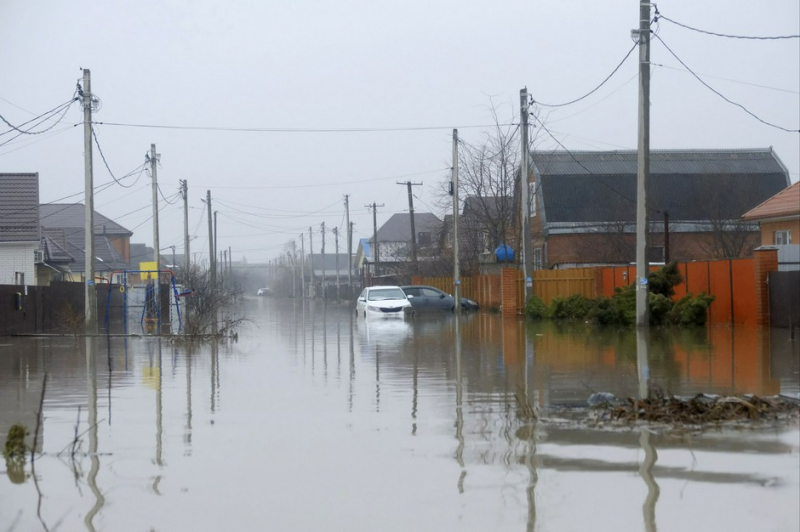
665,280
606,311
535,308
575,307
659,306
690,310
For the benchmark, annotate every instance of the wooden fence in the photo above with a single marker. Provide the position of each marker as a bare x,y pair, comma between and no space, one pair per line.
483,289
550,284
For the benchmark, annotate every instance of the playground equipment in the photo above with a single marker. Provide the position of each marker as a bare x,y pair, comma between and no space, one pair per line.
150,303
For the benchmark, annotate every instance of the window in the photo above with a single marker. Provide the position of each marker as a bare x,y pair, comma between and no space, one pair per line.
783,238
424,238
537,259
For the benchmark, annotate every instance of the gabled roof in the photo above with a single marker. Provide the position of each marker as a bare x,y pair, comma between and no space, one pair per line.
692,185
19,207
108,258
784,203
398,227
488,206
54,245
329,263
71,216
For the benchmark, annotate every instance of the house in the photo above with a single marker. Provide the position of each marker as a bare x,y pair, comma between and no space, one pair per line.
485,223
394,242
584,208
20,235
779,217
63,223
325,272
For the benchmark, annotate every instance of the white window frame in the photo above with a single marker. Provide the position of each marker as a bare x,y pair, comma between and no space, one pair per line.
784,236
537,259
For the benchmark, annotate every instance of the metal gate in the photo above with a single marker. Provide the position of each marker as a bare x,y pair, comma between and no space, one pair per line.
784,299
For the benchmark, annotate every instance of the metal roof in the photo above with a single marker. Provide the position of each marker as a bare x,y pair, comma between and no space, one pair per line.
19,207
690,185
71,216
398,227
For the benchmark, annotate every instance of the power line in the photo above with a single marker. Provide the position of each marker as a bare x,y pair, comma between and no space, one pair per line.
726,35
779,89
326,184
627,55
44,116
712,89
297,129
158,186
300,215
105,162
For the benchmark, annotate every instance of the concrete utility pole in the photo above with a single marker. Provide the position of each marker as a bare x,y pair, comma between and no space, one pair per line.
414,264
525,199
225,267
666,237
211,262
173,256
89,292
336,239
302,265
216,249
312,289
456,265
324,272
294,269
349,244
186,254
643,173
156,243
377,261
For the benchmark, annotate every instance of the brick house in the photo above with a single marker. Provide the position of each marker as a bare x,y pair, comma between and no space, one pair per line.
779,218
584,207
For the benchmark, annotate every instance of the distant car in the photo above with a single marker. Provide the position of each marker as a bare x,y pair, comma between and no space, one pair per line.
264,292
428,298
382,302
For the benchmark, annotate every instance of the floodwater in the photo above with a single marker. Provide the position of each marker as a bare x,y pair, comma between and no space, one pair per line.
316,420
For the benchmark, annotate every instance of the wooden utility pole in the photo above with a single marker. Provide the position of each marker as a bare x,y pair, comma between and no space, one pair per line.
89,291
414,264
643,172
156,241
456,265
524,193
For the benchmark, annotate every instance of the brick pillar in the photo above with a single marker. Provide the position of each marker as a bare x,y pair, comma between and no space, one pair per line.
765,260
508,291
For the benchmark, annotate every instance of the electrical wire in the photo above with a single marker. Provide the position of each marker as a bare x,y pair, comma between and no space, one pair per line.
158,186
33,141
298,129
323,184
44,116
712,89
576,100
300,215
725,79
105,162
726,35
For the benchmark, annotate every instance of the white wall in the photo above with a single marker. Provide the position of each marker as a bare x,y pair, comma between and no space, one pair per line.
17,257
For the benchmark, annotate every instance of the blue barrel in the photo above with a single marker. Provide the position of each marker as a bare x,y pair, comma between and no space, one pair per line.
504,253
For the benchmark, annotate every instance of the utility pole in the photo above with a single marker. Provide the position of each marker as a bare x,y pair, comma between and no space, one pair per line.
302,265
173,256
336,238
350,259
525,199
312,289
666,237
643,172
89,292
156,243
294,269
224,267
349,245
216,249
186,254
456,265
414,264
377,260
324,272
211,261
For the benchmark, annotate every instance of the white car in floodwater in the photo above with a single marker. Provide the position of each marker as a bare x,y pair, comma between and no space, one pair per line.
383,302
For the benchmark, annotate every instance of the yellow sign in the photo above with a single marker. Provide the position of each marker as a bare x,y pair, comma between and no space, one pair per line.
148,266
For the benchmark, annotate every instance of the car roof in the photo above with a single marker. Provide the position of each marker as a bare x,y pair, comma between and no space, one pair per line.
418,286
382,287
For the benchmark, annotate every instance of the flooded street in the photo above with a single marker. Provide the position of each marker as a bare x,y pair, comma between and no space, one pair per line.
316,420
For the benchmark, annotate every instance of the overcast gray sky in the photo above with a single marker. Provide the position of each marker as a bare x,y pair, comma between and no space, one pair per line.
364,64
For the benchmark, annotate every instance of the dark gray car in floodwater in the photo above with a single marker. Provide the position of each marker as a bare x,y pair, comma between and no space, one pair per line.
427,298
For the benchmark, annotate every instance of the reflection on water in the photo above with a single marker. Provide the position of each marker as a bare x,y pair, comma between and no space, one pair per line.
317,420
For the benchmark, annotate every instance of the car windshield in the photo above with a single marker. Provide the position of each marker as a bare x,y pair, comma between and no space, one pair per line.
385,293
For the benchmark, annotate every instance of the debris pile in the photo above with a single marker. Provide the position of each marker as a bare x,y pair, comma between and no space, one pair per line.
701,409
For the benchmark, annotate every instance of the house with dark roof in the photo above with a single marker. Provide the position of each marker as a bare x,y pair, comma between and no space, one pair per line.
584,207
325,268
394,242
20,237
63,223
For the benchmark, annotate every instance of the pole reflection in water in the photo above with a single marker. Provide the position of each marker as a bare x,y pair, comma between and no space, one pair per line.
530,454
377,378
313,343
214,377
187,437
91,409
415,389
325,343
352,364
338,349
650,454
459,409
